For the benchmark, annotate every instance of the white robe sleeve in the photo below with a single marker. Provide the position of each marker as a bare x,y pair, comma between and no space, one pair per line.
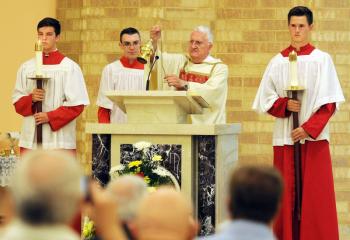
23,86
169,63
267,93
75,90
329,89
106,84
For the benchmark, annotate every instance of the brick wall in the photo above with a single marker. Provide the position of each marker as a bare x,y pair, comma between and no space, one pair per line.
246,35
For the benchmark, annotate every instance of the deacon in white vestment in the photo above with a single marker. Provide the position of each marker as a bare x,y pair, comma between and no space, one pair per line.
124,74
198,72
63,96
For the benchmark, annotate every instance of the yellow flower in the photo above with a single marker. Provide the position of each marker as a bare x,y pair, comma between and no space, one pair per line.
147,179
157,158
88,229
151,189
134,164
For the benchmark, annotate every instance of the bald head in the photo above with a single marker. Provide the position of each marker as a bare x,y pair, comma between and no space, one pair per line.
46,187
128,191
165,214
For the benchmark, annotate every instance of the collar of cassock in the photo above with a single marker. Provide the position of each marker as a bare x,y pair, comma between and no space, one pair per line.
305,50
135,64
52,58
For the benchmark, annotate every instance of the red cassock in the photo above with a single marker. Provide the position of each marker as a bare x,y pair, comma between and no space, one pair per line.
318,218
59,117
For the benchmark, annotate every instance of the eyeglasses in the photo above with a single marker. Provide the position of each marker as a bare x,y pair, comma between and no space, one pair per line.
196,43
129,44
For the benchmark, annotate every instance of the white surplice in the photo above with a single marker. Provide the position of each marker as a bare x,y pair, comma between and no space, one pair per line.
116,77
317,74
66,87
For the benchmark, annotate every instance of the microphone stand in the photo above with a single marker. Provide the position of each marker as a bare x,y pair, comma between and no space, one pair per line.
150,70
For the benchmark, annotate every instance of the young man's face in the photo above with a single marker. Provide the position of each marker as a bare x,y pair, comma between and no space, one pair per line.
48,38
130,45
198,47
299,30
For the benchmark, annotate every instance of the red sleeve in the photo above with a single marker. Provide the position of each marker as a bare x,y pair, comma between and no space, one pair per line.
25,106
104,115
61,116
318,120
279,108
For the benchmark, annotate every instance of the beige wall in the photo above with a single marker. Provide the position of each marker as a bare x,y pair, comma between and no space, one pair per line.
18,20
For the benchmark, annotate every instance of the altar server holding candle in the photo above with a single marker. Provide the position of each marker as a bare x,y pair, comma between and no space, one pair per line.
314,70
63,97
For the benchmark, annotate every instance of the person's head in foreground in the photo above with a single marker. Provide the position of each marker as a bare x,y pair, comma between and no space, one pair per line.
46,188
255,193
165,214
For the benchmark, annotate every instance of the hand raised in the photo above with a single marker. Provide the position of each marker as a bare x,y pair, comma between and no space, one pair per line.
155,33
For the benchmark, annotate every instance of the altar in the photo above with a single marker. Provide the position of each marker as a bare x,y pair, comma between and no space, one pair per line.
198,156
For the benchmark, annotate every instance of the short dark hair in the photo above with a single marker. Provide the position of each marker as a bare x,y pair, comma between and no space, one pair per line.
301,11
50,22
129,31
255,193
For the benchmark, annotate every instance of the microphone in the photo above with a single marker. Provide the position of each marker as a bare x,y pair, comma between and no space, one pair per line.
150,70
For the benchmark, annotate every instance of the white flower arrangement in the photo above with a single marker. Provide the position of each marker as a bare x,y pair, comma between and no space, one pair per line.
147,166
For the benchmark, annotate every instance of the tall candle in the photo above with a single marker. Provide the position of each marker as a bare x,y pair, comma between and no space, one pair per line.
293,70
38,58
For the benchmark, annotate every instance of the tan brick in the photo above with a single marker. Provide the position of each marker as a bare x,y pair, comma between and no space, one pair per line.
101,47
237,25
342,207
228,13
254,58
259,36
230,58
103,3
335,25
228,36
236,47
257,127
254,159
251,81
246,70
272,24
248,138
179,13
243,116
334,4
275,3
237,3
151,3
258,13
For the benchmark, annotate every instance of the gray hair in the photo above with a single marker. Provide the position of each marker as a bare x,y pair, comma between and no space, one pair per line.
128,201
46,187
206,30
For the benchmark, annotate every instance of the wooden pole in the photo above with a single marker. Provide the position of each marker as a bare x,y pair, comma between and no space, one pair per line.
39,106
297,175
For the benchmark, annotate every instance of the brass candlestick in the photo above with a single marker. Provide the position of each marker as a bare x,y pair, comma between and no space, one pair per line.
293,90
39,78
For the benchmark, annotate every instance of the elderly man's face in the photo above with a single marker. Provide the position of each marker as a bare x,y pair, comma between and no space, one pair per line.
198,47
